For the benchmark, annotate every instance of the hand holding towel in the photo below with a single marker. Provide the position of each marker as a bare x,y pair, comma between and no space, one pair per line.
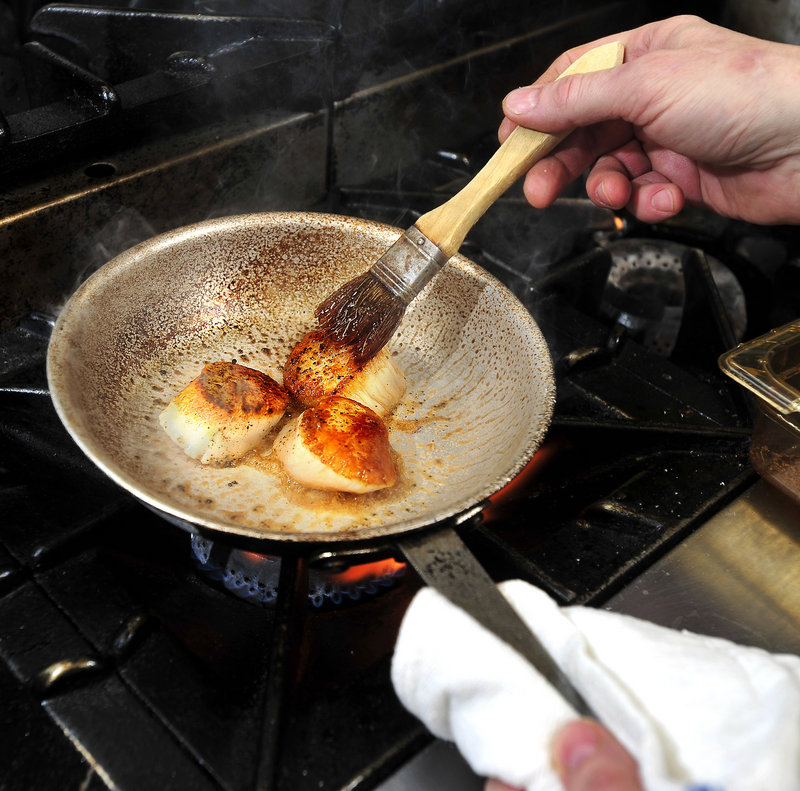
695,711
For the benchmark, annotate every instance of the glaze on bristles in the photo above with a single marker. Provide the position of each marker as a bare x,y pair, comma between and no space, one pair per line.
362,314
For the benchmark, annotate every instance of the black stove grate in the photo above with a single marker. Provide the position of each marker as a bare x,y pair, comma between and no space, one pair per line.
120,664
93,80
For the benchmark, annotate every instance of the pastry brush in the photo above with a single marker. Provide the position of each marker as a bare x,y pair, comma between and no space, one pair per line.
365,312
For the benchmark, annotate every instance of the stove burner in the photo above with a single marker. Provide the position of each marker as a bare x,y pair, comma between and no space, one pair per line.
254,577
646,292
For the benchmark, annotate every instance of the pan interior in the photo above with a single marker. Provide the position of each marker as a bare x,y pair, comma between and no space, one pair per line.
478,402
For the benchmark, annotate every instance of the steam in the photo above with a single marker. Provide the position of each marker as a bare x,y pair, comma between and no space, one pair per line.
124,229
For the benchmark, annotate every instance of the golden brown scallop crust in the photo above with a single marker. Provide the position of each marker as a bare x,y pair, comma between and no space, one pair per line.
350,439
317,367
233,392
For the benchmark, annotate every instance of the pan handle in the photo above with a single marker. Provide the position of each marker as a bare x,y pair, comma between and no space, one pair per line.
445,563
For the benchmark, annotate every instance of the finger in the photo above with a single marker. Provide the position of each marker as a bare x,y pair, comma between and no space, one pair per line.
678,169
655,198
610,188
520,100
587,757
545,181
630,158
577,100
609,183
559,65
550,176
581,99
506,128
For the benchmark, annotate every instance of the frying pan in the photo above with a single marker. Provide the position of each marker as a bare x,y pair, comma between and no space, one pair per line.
479,398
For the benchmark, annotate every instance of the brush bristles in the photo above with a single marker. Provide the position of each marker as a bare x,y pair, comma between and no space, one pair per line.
362,314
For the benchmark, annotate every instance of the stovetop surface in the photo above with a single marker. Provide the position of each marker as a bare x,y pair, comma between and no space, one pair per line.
121,663
107,627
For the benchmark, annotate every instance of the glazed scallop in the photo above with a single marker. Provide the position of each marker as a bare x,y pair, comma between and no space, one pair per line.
337,445
224,413
318,366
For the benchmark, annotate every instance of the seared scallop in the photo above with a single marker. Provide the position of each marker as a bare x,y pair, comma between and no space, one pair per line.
223,413
318,366
337,445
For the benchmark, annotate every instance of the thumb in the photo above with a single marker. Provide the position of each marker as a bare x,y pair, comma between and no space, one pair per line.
587,757
570,102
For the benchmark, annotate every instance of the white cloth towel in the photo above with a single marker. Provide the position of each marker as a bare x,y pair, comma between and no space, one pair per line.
697,712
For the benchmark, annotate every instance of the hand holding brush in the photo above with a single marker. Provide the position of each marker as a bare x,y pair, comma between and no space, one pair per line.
365,312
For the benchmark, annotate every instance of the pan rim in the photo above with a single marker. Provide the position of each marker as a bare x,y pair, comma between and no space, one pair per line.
91,447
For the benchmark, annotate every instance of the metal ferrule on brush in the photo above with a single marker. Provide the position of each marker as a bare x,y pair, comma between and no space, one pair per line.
407,266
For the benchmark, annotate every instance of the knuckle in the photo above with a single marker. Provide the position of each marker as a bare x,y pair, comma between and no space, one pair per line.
566,92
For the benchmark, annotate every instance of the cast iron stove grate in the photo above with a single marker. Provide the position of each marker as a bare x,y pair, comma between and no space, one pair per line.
114,647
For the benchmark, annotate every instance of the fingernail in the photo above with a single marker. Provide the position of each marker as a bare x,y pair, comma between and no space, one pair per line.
574,745
662,201
521,100
601,194
579,751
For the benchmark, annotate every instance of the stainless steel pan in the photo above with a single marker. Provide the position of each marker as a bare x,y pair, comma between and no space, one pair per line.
479,399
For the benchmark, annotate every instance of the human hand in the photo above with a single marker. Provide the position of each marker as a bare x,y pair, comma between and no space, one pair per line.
696,113
588,758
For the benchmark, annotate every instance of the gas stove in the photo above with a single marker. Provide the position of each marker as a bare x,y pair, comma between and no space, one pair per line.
133,654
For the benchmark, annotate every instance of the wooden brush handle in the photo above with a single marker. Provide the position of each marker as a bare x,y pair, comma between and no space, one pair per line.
448,224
